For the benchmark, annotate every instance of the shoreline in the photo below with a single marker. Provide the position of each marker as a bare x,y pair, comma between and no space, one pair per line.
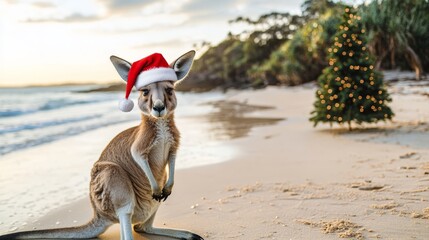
291,180
44,177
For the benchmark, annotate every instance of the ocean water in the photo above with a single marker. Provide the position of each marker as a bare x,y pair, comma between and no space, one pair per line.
50,137
38,115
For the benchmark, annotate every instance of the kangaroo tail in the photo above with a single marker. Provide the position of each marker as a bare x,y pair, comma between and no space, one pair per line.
90,230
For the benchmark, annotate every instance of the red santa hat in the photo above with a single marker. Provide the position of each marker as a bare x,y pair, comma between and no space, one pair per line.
153,68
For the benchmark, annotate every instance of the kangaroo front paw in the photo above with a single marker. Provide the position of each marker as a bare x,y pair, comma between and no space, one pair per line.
157,194
165,193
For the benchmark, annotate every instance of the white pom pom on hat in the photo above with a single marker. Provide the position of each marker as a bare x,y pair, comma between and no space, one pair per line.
153,68
126,105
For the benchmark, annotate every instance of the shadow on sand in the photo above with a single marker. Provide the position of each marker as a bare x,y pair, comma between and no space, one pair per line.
411,134
230,119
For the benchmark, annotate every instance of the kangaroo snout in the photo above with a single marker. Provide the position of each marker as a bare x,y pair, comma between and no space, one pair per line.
158,109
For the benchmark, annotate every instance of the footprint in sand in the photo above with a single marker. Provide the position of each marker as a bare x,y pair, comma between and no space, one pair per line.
408,155
344,228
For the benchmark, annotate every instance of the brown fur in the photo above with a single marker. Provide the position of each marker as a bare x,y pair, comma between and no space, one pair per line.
116,164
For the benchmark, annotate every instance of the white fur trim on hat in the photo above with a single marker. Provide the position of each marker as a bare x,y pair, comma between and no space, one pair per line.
126,105
155,75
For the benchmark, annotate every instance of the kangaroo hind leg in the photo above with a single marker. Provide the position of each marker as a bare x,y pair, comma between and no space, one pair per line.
124,215
113,195
148,228
122,197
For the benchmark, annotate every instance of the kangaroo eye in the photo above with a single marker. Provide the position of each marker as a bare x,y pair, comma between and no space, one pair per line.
169,91
145,92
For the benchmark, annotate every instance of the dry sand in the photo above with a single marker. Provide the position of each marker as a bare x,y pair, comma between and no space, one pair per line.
293,181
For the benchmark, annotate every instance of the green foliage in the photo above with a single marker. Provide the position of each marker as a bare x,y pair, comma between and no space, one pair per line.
215,67
302,58
268,32
350,89
398,32
281,48
231,63
314,8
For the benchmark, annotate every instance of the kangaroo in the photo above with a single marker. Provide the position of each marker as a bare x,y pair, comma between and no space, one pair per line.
130,178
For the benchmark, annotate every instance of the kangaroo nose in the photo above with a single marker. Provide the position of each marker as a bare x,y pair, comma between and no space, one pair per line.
158,108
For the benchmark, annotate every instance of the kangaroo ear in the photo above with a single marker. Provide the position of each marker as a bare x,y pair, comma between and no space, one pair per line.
183,64
122,66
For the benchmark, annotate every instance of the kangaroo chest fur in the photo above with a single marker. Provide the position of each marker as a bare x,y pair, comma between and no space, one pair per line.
157,155
160,149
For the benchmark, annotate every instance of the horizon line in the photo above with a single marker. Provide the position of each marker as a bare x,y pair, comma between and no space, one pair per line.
60,84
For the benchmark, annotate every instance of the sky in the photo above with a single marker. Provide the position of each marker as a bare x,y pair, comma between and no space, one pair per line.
45,42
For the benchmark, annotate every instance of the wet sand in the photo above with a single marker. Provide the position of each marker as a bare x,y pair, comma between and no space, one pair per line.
292,181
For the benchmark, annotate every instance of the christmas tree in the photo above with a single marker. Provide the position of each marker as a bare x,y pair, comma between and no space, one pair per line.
350,89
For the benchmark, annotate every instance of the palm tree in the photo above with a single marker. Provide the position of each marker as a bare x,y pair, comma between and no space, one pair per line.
393,27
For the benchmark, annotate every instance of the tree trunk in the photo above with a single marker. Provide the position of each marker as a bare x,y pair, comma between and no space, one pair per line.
415,62
350,125
392,54
392,60
383,54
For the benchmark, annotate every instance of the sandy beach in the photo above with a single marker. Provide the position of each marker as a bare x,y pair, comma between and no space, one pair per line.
283,179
